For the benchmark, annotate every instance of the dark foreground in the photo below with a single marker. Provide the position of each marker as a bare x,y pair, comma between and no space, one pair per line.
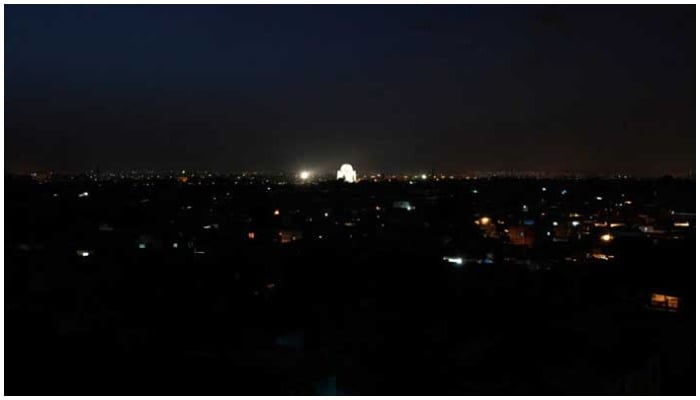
234,285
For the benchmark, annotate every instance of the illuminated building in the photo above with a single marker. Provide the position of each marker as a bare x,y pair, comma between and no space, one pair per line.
289,235
520,235
347,173
664,302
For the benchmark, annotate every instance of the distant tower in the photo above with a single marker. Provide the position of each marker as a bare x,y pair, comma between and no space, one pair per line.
347,174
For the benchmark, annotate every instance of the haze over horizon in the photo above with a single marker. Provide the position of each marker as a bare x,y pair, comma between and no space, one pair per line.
600,89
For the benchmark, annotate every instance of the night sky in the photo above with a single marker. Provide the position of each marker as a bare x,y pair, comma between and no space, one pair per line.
386,88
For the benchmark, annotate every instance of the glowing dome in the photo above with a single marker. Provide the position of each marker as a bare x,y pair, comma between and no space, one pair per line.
347,173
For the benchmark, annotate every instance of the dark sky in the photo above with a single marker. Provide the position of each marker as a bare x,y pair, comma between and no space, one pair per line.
389,88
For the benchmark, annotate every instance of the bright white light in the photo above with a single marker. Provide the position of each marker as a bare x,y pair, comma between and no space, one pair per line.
555,223
606,237
544,189
84,194
347,173
304,175
454,260
174,245
575,223
598,198
83,253
424,176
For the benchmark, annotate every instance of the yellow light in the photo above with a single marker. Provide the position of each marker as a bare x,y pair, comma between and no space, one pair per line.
681,224
304,175
606,237
276,212
601,256
484,220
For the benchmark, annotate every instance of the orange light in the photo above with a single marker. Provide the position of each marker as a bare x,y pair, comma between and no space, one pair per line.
251,235
484,220
606,237
665,301
183,179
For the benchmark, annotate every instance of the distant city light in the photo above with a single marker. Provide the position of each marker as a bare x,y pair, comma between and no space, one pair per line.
403,205
347,173
598,198
84,194
484,220
424,176
606,237
454,260
251,235
555,223
304,175
575,223
544,189
175,245
664,301
142,245
564,191
276,212
83,253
